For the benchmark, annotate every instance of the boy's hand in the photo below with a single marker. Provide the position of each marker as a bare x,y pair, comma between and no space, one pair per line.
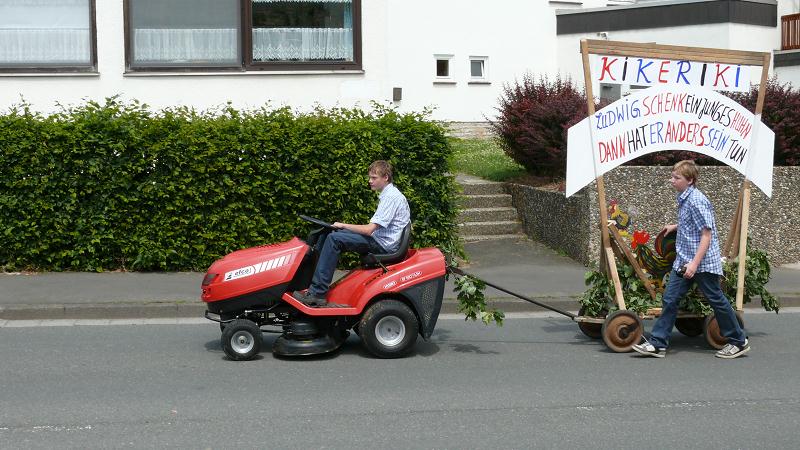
339,225
669,228
691,269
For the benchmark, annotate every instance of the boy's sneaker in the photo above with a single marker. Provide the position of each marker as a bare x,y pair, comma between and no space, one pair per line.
646,348
731,351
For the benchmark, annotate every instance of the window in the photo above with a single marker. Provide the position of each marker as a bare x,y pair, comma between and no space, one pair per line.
308,31
47,36
243,34
184,33
443,68
477,69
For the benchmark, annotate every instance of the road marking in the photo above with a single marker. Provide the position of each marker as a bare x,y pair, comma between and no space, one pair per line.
201,320
101,322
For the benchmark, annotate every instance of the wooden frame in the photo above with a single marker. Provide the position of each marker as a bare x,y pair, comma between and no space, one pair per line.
736,244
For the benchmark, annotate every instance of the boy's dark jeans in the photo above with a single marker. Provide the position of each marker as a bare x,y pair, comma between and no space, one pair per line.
709,286
330,246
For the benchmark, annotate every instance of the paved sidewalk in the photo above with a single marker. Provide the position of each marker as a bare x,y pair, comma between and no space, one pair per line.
522,266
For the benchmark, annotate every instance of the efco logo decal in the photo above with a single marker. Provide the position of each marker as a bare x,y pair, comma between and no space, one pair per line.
258,268
410,277
390,284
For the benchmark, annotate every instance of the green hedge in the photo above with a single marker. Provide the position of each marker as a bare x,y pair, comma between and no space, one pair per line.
115,185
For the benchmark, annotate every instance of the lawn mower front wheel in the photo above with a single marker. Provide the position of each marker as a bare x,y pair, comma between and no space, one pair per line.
241,340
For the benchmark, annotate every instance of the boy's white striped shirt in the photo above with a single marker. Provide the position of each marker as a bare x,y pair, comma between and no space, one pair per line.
392,215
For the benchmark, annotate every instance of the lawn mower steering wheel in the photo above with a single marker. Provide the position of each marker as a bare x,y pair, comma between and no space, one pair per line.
317,222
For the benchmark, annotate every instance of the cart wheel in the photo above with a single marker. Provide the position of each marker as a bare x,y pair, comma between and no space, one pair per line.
622,330
389,329
241,340
690,326
711,331
592,330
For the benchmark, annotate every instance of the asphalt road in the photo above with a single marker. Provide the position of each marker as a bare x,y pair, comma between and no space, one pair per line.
536,382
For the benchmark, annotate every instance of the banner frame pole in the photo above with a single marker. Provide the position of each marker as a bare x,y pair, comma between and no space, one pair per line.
745,218
611,260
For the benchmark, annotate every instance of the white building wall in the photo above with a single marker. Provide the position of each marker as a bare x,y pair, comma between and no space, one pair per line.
400,39
517,37
204,90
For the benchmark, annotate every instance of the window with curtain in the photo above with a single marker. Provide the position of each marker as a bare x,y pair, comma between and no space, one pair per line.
46,34
185,33
302,30
242,35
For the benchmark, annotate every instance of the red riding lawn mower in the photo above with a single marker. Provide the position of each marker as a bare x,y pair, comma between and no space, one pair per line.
387,301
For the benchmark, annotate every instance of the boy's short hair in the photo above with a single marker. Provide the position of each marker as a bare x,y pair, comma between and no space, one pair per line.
381,168
687,169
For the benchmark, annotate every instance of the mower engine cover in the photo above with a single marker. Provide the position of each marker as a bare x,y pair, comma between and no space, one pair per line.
253,276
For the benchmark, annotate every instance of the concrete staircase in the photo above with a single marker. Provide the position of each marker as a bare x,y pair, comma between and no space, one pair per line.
487,213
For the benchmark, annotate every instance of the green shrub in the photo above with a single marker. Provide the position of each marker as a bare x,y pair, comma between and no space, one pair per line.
116,185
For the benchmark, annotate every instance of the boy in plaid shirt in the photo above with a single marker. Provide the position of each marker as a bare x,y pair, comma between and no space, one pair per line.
698,259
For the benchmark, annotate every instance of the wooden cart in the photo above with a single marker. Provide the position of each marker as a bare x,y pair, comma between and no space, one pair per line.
623,328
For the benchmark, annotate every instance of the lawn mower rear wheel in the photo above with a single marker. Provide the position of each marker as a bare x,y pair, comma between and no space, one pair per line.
389,329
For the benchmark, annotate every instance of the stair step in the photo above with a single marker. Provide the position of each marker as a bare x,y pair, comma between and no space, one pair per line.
486,201
484,228
487,214
491,237
482,187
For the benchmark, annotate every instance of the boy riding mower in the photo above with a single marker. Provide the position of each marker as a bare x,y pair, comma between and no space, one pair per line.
387,300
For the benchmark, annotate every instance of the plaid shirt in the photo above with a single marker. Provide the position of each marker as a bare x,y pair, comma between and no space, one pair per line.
695,214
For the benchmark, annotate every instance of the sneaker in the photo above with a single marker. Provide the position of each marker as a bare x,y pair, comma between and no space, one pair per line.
731,351
309,299
648,349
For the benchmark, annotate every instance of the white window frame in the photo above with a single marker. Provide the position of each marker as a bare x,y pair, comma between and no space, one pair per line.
484,78
450,78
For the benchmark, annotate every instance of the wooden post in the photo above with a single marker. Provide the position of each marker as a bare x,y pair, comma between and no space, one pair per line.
745,222
743,245
731,248
601,189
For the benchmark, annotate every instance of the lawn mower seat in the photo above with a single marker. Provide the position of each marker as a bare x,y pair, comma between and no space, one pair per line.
371,260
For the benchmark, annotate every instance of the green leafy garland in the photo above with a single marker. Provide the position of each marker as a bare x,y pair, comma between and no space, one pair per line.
598,299
471,300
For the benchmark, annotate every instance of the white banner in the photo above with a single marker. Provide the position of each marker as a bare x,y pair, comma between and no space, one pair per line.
653,72
670,117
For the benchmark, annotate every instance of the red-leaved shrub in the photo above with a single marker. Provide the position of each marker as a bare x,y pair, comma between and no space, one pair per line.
781,114
533,119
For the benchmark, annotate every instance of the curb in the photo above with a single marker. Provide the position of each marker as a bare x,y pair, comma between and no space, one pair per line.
173,310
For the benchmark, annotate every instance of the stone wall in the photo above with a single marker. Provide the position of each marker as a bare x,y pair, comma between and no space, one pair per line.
571,224
469,130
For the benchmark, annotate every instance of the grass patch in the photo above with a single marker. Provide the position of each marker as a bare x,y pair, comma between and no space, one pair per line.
483,158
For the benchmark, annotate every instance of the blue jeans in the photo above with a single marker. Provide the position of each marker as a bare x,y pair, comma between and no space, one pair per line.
709,286
330,246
